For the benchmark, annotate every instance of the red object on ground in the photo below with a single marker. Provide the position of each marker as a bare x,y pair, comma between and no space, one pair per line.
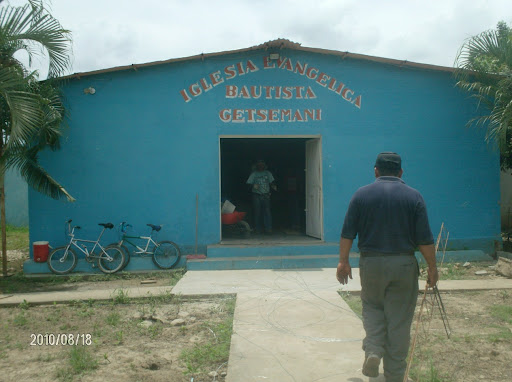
196,257
41,249
233,218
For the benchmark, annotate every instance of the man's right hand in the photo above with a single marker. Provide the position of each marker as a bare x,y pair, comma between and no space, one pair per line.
343,272
433,277
429,253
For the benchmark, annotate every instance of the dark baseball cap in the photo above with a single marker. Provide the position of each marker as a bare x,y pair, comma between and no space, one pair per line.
388,159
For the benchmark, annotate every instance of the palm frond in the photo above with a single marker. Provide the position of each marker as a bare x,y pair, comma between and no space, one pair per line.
25,160
484,65
50,131
48,32
37,28
31,112
24,106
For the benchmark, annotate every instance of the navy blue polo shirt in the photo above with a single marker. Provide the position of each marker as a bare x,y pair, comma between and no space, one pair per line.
389,217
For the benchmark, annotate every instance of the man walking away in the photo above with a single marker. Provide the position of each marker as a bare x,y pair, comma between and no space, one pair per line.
391,221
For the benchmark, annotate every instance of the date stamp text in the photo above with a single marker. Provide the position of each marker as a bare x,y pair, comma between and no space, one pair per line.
61,339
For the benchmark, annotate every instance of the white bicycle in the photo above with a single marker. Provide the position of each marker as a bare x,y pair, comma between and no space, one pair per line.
63,260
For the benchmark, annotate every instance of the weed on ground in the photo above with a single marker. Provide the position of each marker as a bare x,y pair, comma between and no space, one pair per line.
80,360
353,301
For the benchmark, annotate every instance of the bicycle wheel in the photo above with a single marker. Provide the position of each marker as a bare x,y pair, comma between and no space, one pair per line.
166,254
114,263
62,260
126,251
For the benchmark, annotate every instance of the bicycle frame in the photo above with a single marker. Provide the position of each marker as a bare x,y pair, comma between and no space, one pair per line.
85,250
140,250
149,240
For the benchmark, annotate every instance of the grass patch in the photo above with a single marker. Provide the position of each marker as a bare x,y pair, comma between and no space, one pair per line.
119,336
448,271
45,357
20,319
452,271
353,301
19,283
216,351
113,318
174,275
430,374
503,334
17,238
502,312
80,361
120,297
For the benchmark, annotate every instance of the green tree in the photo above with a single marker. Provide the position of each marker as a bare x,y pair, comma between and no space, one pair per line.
485,71
31,112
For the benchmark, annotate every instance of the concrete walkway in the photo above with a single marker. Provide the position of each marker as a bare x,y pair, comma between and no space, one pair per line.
40,298
293,326
289,325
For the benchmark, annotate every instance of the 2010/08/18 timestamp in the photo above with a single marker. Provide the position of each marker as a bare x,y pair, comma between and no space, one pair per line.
52,339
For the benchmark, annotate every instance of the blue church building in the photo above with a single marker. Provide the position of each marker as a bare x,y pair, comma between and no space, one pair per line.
144,140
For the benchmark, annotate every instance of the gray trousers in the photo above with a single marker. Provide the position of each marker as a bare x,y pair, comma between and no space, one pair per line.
389,291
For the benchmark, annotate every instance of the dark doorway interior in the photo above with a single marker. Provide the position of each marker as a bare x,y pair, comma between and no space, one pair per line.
285,158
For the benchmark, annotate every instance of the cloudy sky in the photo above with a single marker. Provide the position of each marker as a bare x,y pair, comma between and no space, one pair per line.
109,33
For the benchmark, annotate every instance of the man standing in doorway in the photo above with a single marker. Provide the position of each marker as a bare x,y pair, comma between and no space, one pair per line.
391,221
260,181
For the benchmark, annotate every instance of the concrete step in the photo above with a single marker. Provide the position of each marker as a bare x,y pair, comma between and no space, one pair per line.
136,264
268,262
222,257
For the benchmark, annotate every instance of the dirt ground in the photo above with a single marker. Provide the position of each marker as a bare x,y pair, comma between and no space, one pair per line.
135,341
465,271
15,260
480,345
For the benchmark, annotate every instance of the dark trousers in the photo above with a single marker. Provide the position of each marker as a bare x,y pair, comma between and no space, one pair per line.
261,210
389,293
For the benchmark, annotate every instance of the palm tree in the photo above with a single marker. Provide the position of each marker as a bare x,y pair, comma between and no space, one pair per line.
31,112
485,70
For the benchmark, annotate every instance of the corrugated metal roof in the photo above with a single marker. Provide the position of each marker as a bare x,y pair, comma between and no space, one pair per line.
280,43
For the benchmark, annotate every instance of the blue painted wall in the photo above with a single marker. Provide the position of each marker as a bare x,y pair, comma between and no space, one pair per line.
16,199
135,151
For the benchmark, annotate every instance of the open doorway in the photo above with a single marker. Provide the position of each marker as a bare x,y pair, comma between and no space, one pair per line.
296,206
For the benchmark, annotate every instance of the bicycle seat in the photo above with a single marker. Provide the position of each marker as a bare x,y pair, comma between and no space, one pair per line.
155,227
107,225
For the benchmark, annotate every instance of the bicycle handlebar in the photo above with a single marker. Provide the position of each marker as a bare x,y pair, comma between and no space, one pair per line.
124,225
